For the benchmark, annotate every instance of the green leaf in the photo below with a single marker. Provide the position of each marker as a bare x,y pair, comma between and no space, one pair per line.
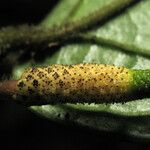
59,15
129,28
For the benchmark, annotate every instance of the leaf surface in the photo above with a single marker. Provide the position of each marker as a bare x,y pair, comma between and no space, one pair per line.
131,27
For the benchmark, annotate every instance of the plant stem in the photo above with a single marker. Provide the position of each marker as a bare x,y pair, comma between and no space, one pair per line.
8,89
35,36
80,83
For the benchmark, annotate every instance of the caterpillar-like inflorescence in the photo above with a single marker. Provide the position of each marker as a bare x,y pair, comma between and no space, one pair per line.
78,83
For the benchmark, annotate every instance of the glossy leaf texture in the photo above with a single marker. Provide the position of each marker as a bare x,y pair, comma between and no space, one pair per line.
130,27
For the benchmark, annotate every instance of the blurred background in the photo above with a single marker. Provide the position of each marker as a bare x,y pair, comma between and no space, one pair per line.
23,129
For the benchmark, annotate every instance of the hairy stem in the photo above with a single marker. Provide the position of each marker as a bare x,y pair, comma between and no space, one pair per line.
35,36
